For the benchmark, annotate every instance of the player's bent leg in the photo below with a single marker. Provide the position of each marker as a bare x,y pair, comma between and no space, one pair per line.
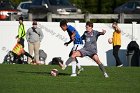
69,60
80,68
76,54
97,60
73,63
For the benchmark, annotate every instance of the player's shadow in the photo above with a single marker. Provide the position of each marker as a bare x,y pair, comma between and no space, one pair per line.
43,73
111,60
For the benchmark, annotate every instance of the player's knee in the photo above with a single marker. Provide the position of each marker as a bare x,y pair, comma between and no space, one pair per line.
74,55
95,58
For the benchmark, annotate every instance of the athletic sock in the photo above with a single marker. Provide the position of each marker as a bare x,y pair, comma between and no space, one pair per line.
73,67
70,59
77,63
102,68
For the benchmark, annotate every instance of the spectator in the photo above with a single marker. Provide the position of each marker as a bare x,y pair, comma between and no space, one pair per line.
34,36
116,41
18,50
21,32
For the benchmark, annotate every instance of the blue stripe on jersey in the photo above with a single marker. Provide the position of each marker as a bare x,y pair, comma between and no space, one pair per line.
78,39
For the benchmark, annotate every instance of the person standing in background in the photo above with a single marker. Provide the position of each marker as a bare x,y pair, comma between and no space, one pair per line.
21,32
116,41
34,36
18,49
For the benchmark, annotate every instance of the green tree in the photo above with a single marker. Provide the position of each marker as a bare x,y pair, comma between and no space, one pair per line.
16,2
98,6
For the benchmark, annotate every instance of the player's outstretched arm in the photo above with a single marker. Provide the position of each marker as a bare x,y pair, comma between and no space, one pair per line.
103,32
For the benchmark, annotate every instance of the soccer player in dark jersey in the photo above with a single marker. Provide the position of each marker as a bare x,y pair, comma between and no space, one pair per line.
78,43
90,37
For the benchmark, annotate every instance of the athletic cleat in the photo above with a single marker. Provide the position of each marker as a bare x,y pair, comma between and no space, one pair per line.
73,75
79,70
120,65
63,67
106,75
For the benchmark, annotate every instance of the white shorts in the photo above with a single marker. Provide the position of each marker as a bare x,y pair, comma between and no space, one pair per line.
77,47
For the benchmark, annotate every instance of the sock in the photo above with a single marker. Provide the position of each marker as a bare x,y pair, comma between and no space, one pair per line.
70,59
28,55
102,68
77,63
73,67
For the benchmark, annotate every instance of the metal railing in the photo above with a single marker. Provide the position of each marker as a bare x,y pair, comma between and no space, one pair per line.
87,17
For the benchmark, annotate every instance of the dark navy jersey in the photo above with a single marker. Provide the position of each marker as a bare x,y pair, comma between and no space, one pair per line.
77,39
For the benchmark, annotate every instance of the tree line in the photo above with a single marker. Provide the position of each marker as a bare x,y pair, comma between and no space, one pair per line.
98,6
91,6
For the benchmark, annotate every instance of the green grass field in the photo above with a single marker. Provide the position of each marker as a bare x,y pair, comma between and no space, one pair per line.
37,79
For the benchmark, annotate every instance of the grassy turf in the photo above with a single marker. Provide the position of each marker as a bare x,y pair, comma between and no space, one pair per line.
37,79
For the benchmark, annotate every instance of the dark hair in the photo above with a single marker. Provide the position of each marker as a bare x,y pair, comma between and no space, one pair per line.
21,18
34,22
90,24
63,22
115,23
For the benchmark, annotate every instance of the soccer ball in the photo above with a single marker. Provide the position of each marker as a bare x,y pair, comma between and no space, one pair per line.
110,40
54,72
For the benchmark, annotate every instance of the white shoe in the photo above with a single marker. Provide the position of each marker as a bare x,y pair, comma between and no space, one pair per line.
63,67
120,65
106,75
73,75
79,70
